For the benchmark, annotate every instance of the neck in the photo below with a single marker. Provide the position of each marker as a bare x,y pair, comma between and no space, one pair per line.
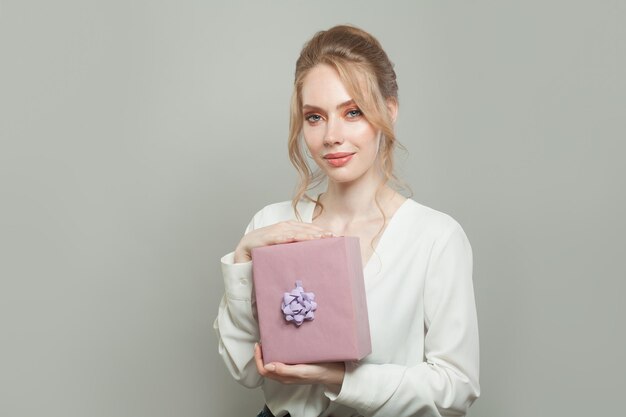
355,201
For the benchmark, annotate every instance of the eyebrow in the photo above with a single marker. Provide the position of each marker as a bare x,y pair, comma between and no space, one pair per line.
339,106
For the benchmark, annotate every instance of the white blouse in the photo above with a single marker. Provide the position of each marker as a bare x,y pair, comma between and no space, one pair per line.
422,315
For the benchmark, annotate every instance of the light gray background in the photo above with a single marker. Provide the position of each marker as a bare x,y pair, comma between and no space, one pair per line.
139,137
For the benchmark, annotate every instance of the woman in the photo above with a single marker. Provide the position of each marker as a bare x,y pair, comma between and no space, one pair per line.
417,261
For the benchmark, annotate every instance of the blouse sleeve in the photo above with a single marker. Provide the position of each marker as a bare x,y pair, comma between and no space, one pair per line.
236,324
446,382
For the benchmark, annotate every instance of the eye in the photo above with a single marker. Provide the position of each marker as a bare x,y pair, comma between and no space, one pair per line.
313,118
354,113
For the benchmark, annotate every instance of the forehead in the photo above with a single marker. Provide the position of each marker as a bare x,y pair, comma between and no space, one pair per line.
322,87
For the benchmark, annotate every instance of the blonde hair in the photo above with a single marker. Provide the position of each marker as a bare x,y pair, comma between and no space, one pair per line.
368,75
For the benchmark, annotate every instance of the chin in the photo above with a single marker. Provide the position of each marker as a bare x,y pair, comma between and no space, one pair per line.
343,179
350,175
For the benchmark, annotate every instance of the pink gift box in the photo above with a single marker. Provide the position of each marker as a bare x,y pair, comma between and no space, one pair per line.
331,269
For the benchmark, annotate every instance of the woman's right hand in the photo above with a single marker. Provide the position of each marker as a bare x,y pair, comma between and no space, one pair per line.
283,232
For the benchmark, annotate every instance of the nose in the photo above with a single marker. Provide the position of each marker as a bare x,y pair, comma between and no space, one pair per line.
333,134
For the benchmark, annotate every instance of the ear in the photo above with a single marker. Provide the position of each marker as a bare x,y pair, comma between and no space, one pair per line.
392,107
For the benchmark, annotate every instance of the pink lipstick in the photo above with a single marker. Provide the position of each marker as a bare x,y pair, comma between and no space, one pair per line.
339,159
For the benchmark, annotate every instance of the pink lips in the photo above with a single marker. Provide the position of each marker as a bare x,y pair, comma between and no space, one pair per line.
338,159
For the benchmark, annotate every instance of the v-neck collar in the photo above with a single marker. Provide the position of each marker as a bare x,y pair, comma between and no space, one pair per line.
380,246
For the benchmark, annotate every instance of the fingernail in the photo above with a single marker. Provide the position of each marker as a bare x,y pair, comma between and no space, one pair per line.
270,367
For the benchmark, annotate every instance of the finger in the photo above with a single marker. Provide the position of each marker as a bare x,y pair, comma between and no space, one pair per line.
300,236
285,232
258,358
297,372
296,237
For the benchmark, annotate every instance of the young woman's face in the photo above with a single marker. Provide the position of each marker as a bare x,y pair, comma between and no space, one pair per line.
340,139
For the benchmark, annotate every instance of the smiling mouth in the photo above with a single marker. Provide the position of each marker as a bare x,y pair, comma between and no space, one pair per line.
338,155
339,159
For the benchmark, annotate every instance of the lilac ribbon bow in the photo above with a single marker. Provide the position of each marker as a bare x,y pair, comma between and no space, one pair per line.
298,305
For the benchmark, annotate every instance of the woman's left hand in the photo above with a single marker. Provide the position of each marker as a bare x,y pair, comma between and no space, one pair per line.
319,373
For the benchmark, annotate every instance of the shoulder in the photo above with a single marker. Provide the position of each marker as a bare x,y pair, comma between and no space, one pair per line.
429,223
437,232
277,212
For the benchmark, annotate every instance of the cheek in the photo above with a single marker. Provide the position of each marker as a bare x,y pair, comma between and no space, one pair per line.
367,138
312,137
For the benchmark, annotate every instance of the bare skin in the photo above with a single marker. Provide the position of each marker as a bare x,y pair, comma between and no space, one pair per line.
367,225
283,232
330,374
